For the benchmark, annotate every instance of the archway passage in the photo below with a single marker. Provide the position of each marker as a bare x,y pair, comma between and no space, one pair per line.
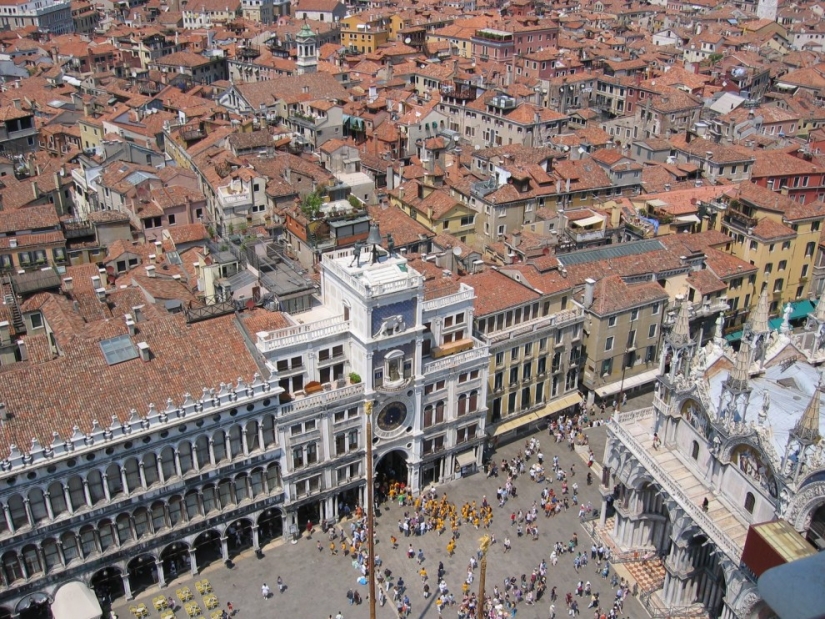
143,573
37,607
391,473
175,560
207,547
271,526
107,585
816,532
239,537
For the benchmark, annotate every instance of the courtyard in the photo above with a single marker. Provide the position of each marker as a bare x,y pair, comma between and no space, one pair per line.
316,582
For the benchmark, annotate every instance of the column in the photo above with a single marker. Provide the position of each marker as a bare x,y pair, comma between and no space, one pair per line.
127,588
177,463
193,562
106,488
142,475
256,537
126,488
261,434
603,513
9,521
244,442
29,514
42,557
161,575
68,498
224,548
212,452
60,554
49,510
87,494
228,446
159,466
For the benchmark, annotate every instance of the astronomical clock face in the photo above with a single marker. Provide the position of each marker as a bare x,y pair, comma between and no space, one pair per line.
392,416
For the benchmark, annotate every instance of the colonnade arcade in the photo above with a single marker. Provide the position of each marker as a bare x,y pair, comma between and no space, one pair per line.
648,521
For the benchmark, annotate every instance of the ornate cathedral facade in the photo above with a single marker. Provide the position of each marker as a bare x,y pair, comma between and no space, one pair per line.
732,439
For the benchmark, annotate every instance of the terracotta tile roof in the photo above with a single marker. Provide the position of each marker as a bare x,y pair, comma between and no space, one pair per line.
613,295
80,387
259,319
725,266
188,233
496,292
404,229
769,229
706,282
29,218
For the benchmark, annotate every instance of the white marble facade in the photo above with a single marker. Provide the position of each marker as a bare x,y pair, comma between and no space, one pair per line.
740,429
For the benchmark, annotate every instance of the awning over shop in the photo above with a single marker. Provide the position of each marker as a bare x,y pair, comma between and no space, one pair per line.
468,458
514,424
553,407
75,600
629,383
559,405
799,310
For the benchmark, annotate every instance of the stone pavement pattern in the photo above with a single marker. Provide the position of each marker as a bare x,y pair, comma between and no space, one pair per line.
317,582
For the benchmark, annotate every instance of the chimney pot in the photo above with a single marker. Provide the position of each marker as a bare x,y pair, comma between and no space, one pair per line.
589,290
130,324
145,351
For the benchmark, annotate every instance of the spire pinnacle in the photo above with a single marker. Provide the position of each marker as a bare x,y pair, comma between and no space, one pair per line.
740,374
759,317
806,429
681,328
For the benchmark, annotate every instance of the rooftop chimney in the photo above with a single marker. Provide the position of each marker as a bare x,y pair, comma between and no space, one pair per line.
130,324
145,352
152,258
137,313
150,271
101,294
589,290
5,332
16,103
104,277
159,249
68,284
96,282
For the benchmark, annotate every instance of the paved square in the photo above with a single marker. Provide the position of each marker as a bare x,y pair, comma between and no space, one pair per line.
317,582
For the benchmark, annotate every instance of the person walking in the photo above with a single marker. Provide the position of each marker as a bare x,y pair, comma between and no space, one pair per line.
266,591
281,585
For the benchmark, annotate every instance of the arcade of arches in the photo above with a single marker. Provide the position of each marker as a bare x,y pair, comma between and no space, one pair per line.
692,569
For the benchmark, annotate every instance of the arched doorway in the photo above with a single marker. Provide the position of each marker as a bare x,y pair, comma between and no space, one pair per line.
207,547
239,537
143,573
35,606
391,469
175,560
271,526
107,585
816,532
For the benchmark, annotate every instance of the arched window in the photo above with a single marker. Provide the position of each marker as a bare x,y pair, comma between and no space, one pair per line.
750,502
95,483
37,502
167,463
150,469
17,510
462,404
695,451
114,480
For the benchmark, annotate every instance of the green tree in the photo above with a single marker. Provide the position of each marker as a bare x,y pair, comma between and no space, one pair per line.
311,204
